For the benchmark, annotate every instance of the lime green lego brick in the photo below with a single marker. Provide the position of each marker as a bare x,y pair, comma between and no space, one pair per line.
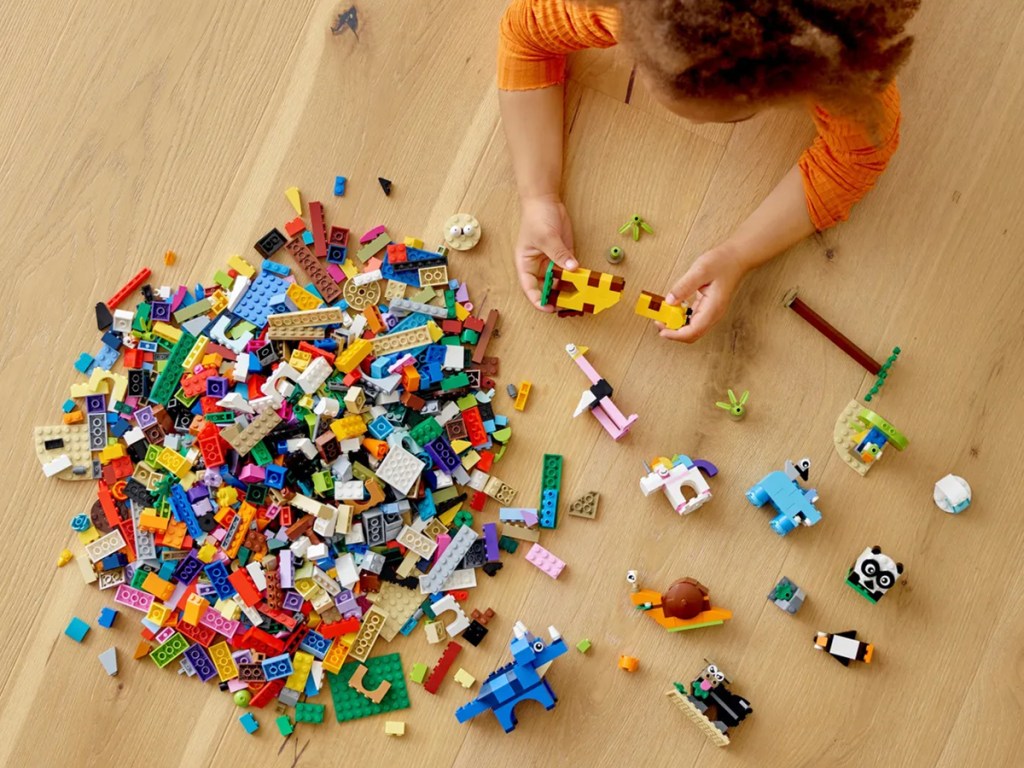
418,673
169,650
349,704
584,645
223,279
306,712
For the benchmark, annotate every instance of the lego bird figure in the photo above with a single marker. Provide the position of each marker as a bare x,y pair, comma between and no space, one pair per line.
598,399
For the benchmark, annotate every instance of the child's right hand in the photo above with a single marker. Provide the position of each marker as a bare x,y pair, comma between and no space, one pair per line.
545,233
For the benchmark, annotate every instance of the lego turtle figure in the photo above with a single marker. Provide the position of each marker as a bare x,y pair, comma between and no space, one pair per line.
522,679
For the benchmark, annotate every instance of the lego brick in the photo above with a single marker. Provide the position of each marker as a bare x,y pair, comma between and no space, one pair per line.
373,622
349,704
433,681
545,561
586,505
448,561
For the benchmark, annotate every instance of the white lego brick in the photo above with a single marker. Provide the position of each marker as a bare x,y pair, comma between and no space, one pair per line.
348,574
257,575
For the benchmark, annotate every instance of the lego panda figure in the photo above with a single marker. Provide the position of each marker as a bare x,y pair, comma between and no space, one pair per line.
874,573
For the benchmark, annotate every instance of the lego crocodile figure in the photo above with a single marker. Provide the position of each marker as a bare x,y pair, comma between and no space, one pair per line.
794,504
522,679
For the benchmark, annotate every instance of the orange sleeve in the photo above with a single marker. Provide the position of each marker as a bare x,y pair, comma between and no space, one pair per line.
847,158
536,35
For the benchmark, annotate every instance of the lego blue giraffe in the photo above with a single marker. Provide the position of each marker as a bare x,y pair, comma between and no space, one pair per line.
522,679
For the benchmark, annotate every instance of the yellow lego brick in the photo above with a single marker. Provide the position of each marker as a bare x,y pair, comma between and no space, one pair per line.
195,607
166,332
295,198
302,663
460,446
470,459
158,613
350,426
218,302
357,351
229,609
212,360
241,266
414,242
206,553
349,268
335,656
299,360
174,462
158,587
302,298
194,354
226,496
89,535
394,727
150,521
523,395
220,654
111,452
434,330
461,313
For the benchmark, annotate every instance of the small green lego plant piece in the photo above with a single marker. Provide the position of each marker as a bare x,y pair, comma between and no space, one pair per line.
635,224
883,374
615,254
736,408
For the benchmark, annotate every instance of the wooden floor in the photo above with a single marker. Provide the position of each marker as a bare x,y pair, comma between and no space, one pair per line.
151,126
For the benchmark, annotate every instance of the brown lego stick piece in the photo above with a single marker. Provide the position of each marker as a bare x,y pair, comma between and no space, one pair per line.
827,330
485,337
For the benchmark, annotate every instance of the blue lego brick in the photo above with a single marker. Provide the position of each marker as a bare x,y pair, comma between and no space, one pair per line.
254,304
380,427
409,278
307,237
182,510
68,406
77,629
218,575
187,569
336,254
407,323
548,512
84,364
278,303
249,723
107,617
277,667
282,270
316,644
339,186
106,357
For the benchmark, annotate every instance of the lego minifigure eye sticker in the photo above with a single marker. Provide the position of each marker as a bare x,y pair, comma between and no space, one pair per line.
885,580
467,229
538,646
870,567
455,230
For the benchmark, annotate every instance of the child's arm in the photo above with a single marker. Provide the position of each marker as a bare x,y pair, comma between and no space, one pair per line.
838,169
533,125
535,37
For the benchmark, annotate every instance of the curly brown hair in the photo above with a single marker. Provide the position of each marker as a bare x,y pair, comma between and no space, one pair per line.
840,52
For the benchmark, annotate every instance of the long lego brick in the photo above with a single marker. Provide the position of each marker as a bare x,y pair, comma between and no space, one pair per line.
324,283
545,561
258,428
317,227
310,317
396,342
433,681
448,561
373,622
485,337
167,382
125,291
491,539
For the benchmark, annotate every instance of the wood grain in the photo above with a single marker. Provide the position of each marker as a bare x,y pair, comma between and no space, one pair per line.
133,128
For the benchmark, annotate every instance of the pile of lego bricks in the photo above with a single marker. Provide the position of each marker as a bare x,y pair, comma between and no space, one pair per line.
287,473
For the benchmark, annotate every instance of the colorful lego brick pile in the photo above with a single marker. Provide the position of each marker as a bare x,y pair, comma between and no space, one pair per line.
286,471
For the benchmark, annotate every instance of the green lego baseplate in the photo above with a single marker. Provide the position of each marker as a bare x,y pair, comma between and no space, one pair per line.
349,704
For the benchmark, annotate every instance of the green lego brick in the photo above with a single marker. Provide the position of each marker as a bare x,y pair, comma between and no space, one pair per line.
551,473
470,337
349,704
418,673
166,383
224,417
309,713
284,725
425,431
458,381
261,454
584,645
169,650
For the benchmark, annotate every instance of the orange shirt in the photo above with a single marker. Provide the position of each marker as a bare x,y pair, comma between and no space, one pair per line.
838,169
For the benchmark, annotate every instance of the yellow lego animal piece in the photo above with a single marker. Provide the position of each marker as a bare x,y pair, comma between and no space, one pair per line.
582,291
653,306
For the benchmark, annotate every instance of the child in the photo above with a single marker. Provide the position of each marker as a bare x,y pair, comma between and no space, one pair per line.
711,61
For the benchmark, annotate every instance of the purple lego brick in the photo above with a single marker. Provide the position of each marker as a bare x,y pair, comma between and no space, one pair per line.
200,661
491,542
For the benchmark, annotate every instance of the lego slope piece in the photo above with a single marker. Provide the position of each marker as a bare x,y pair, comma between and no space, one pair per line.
523,678
710,705
350,704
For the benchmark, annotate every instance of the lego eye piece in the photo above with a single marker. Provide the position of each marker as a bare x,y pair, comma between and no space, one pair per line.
885,580
869,567
455,231
538,646
468,230
632,577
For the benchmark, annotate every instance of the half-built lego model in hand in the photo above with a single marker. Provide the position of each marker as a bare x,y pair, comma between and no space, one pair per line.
794,504
710,705
598,399
519,680
673,475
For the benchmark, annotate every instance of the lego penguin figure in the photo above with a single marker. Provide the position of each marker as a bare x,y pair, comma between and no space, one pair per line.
874,573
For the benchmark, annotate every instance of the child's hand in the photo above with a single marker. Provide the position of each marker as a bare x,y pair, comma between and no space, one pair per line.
545,232
714,277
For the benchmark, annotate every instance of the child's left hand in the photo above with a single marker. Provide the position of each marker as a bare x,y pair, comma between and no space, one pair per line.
713,277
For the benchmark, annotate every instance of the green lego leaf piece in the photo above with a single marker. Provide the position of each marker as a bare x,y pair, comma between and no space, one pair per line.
349,704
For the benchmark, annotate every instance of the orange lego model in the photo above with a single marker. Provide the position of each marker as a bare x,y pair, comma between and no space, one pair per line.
685,605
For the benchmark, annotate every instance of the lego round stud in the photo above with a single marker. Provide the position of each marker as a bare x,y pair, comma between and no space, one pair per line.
242,698
615,254
462,231
952,494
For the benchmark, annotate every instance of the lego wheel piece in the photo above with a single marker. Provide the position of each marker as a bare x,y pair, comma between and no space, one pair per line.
952,494
842,437
359,297
462,231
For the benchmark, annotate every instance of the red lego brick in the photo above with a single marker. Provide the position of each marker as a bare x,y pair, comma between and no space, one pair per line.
433,681
295,226
140,277
318,228
244,585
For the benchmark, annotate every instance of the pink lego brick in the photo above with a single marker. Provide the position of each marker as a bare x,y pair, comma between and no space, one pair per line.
544,560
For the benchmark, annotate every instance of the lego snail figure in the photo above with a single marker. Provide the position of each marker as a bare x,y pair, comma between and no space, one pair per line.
462,231
686,604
